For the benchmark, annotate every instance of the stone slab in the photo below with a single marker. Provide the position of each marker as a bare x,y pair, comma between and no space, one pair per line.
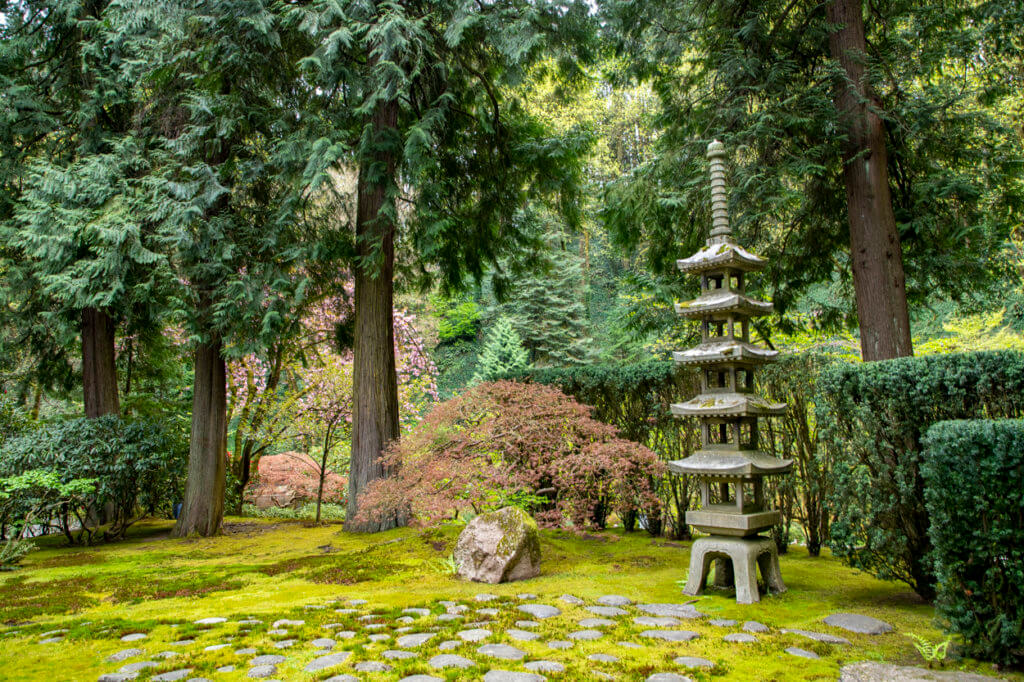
855,622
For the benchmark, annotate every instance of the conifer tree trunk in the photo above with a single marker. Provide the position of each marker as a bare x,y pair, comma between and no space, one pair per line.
203,508
374,381
877,257
99,370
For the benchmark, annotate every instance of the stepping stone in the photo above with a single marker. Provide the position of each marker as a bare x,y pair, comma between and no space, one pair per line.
51,640
117,677
379,638
629,645
371,667
344,634
448,645
392,654
656,621
172,676
570,599
522,635
527,624
183,642
166,654
328,661
124,654
740,638
245,652
754,626
370,617
444,617
614,600
357,602
484,596
261,671
863,625
818,636
450,661
722,622
277,631
250,621
596,623
600,675
668,677
607,610
211,621
342,678
271,659
671,635
399,631
802,653
405,619
288,623
475,635
488,612
586,635
314,607
540,611
671,610
135,637
602,658
545,666
421,678
504,651
560,644
509,676
375,626
694,662
136,667
346,611
216,647
285,643
526,596
418,612
226,669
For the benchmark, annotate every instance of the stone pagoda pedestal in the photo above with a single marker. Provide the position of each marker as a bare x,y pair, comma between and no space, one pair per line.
729,467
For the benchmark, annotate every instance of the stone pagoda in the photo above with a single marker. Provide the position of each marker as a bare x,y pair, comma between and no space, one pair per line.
729,467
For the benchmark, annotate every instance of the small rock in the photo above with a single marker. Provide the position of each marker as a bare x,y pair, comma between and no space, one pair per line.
694,662
392,654
526,596
522,635
560,644
399,631
474,635
596,623
405,619
570,599
586,635
357,602
740,638
248,651
417,612
136,667
668,677
342,678
527,624
657,622
450,661
501,651
371,667
509,676
285,643
261,671
117,677
607,610
629,645
540,611
134,637
344,634
124,654
448,645
277,631
53,640
166,654
250,621
602,658
271,659
183,642
328,661
284,623
802,653
444,617
226,669
216,647
817,636
420,678
488,612
614,600
671,635
211,621
722,622
172,676
853,622
671,610
545,666
754,626
379,638
324,643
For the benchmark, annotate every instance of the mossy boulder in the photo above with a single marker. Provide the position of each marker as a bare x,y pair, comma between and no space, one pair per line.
499,547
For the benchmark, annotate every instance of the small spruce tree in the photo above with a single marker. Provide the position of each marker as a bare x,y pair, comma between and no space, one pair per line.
503,353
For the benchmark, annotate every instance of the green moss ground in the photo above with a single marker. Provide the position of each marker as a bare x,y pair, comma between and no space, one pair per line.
269,570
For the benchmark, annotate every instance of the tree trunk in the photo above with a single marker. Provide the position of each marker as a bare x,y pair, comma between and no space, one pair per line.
203,508
99,372
878,279
374,382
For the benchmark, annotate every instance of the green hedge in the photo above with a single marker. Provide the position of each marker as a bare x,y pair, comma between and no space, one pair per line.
974,493
872,417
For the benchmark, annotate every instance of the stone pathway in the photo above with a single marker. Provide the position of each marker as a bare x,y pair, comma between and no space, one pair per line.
608,637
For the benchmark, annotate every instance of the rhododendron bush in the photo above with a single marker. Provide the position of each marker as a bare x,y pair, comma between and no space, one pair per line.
510,443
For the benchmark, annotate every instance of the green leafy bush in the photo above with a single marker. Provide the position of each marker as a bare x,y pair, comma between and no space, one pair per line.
328,512
459,322
974,478
13,420
871,418
138,466
30,497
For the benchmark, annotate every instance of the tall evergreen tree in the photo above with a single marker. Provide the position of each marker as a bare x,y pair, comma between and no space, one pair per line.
502,353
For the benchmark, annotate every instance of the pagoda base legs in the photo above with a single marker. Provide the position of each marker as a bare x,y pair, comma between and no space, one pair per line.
736,562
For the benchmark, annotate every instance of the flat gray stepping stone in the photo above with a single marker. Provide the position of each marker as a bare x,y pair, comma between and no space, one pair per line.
269,659
522,635
450,661
657,621
328,661
509,676
371,667
545,666
818,636
262,671
117,677
802,653
344,634
671,635
284,623
602,676
250,621
754,626
614,600
723,622
448,645
375,626
560,644
629,645
379,638
527,624
167,654
136,667
509,653
485,596
450,616
740,638
488,612
570,599
694,662
668,677
405,619
342,678
421,678
285,643
596,623
51,640
607,610
417,611
277,631
410,641
216,647
248,651
324,643
854,622
211,621
357,602
172,676
585,635
124,654
135,637
526,596
540,611
399,631
226,669
394,655
475,635
602,658
671,610
183,642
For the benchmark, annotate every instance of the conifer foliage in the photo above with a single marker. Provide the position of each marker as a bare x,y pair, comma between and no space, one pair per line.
503,353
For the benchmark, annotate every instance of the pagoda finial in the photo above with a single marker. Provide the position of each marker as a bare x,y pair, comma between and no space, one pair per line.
719,200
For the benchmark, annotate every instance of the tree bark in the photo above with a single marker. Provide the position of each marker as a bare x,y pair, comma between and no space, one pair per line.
375,383
203,508
99,370
877,257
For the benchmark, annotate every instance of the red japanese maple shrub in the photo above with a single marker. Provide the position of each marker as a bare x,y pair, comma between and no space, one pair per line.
510,443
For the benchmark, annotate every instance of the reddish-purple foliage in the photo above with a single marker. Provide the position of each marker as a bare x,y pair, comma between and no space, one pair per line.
510,443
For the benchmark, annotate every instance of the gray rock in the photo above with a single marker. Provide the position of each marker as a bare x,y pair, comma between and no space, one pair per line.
399,631
324,643
488,612
344,634
379,638
270,659
540,611
342,678
262,671
445,617
450,661
285,643
250,621
863,625
417,612
522,635
285,623
602,658
172,676
671,635
124,654
357,602
722,622
504,651
817,636
802,653
183,642
527,624
371,667
754,626
134,637
405,619
248,651
393,655
421,678
740,638
475,635
277,631
499,547
597,623
586,635
51,640
117,677
614,600
656,621
694,662
526,596
545,667
629,645
211,621
509,676
136,667
671,610
570,599
607,610
216,647
870,671
328,661
226,669
448,645
602,676
560,644
375,626
668,677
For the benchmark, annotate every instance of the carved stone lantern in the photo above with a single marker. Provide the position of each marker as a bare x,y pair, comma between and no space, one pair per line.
729,468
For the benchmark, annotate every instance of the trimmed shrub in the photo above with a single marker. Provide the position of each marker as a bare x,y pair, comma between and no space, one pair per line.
974,478
872,417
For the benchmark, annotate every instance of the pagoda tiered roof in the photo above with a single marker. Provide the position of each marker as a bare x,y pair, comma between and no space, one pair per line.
728,405
728,350
720,256
723,301
730,463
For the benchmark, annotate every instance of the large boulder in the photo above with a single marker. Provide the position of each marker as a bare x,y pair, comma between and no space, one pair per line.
499,547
